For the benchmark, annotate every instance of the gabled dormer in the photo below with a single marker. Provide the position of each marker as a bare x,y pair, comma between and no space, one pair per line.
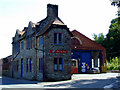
17,35
30,29
16,43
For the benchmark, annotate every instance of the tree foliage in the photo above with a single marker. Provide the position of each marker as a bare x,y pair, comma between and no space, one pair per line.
113,64
99,38
112,40
116,3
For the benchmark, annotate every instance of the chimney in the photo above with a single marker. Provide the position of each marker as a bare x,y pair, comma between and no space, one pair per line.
52,10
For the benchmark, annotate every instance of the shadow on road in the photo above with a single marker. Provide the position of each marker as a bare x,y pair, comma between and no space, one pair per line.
90,83
11,81
93,83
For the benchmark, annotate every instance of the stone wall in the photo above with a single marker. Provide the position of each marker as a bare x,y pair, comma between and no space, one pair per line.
39,55
49,73
24,54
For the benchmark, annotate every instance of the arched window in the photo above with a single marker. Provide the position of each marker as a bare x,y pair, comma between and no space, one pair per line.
76,41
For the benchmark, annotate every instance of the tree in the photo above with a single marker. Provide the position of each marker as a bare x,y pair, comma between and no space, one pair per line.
116,3
112,40
99,38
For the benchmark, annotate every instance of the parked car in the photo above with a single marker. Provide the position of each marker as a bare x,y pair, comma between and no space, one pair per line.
94,70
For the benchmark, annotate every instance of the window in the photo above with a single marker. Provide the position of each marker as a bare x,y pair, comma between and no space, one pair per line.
30,64
16,47
29,42
22,67
27,65
55,64
17,66
58,38
40,41
14,65
55,38
40,64
74,63
58,64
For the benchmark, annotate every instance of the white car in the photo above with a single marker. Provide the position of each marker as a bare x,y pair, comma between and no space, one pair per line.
94,70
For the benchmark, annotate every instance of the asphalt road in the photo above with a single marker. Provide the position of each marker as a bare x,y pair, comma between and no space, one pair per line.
8,82
105,80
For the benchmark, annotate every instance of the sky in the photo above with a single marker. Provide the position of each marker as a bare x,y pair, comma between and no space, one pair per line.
86,16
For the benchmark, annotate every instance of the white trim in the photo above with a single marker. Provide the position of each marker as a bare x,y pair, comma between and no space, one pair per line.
78,40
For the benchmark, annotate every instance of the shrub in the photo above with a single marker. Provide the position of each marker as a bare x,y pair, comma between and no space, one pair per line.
114,64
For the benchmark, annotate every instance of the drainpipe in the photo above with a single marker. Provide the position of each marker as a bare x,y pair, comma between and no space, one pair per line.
35,70
43,59
37,49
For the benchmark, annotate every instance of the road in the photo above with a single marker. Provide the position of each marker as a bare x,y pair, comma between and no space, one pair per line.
18,83
104,80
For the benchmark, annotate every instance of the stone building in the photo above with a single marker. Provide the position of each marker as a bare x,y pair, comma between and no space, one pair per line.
42,50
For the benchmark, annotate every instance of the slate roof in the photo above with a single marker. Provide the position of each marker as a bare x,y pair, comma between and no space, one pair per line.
46,23
42,26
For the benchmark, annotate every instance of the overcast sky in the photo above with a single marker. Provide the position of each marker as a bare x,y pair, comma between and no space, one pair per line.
86,16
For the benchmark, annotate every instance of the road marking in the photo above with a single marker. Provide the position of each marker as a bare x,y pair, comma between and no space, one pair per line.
111,85
108,86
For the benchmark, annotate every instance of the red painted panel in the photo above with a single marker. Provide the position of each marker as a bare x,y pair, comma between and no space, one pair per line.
74,70
58,51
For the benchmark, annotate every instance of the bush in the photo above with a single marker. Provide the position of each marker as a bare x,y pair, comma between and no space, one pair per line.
114,64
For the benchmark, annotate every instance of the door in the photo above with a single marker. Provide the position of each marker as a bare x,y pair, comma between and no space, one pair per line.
21,67
85,64
76,56
74,66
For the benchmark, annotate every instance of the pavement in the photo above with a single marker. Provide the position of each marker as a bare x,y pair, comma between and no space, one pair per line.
104,80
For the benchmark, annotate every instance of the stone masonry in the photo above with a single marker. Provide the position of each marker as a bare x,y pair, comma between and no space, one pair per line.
31,47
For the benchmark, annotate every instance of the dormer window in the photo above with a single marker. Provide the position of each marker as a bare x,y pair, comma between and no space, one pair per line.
22,45
29,42
40,41
16,46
